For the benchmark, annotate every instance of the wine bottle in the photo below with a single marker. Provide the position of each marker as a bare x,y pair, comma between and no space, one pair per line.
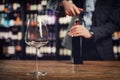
77,57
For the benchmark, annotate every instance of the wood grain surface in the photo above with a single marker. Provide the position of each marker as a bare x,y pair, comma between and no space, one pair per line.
60,70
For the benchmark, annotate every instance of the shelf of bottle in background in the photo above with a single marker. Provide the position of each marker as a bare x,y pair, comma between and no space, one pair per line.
12,41
64,53
63,32
116,45
10,13
10,27
36,5
9,6
63,21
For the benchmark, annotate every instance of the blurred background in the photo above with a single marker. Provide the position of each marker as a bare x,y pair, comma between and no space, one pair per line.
13,17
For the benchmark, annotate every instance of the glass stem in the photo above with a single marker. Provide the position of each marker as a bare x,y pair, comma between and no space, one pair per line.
37,52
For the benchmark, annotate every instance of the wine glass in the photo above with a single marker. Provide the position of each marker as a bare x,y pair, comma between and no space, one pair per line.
36,35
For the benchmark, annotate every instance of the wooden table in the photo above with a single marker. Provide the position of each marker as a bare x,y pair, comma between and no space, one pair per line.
60,70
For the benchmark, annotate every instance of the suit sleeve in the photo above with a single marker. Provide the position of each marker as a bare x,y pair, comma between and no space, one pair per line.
115,18
103,31
112,24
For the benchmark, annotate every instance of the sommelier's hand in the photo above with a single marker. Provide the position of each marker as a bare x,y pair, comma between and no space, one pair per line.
79,30
70,8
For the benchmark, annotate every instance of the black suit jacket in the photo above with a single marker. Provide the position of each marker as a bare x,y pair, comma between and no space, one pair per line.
103,28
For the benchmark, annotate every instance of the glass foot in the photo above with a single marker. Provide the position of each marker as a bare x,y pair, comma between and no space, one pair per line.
37,73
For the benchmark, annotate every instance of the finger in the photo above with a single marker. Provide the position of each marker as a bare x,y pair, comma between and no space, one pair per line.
79,34
73,12
66,12
69,13
81,9
76,35
72,28
71,33
78,11
76,28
